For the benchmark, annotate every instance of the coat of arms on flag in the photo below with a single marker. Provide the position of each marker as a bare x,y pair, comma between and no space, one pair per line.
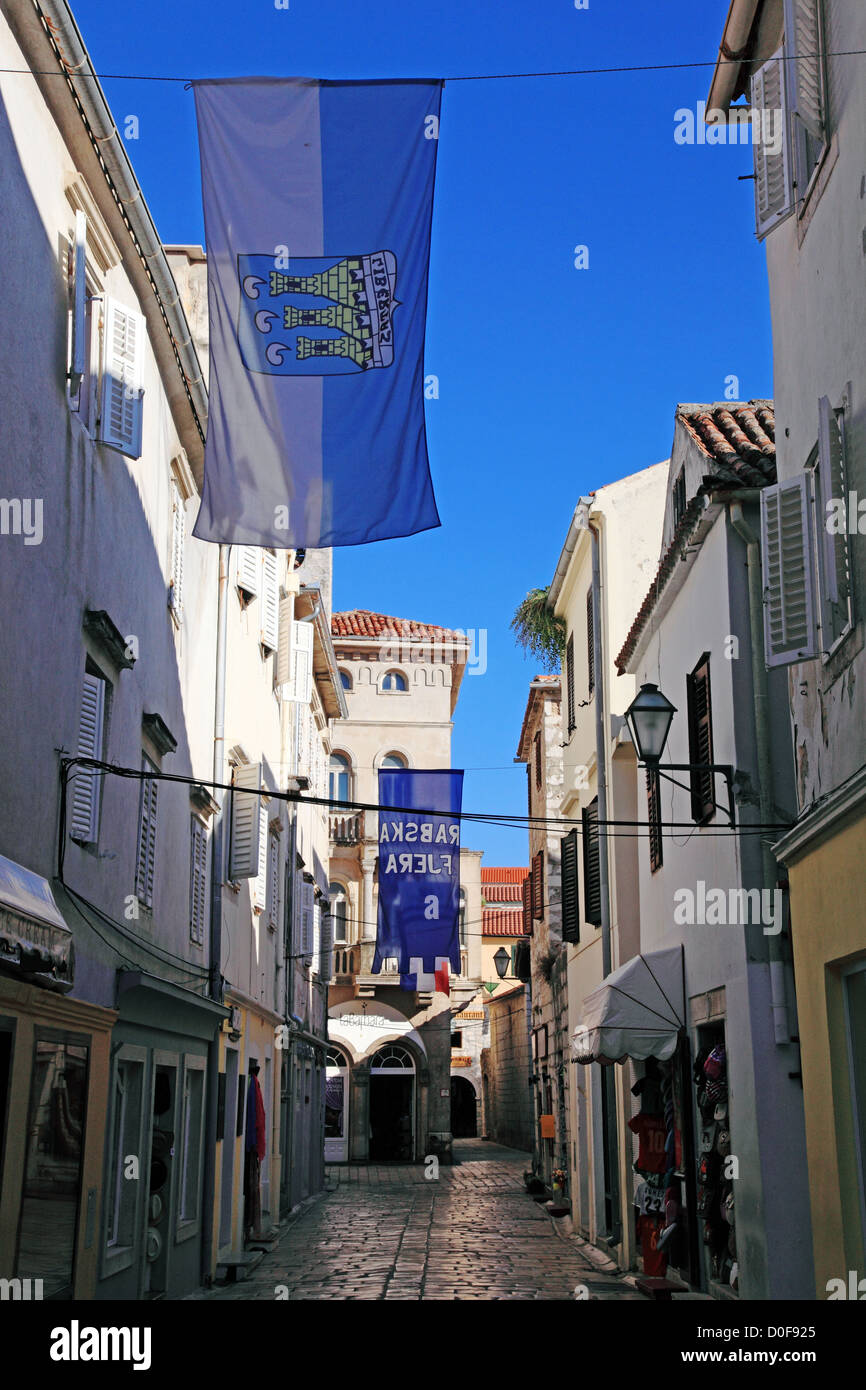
318,318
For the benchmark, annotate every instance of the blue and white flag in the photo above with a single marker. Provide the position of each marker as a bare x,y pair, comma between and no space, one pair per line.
419,871
318,200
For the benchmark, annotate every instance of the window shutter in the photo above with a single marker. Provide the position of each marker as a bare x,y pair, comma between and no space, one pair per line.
197,881
538,885
248,569
700,717
270,601
283,663
122,377
178,542
537,751
307,903
569,682
774,193
245,822
805,66
316,945
78,342
570,892
84,782
591,868
833,485
145,864
786,548
654,815
590,641
302,663
260,889
527,905
327,923
274,881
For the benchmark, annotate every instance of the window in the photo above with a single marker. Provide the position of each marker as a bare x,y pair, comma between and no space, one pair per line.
527,905
260,887
393,760
345,679
456,1037
536,748
192,1122
806,87
570,889
569,683
339,912
246,822
146,857
654,815
339,778
122,399
293,668
124,1140
198,881
538,885
85,784
591,864
679,497
590,642
273,889
393,681
178,543
700,717
832,523
270,603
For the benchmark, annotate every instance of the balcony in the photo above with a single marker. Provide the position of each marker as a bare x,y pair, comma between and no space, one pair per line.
347,829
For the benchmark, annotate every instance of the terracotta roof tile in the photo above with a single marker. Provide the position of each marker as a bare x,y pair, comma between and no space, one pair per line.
508,875
501,922
503,893
361,622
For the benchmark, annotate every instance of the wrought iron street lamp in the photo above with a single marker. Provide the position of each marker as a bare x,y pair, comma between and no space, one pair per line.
502,960
649,718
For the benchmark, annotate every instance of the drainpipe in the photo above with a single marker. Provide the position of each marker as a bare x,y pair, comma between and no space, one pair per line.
608,1078
778,989
215,980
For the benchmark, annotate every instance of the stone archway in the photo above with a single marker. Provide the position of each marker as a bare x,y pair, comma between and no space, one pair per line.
464,1108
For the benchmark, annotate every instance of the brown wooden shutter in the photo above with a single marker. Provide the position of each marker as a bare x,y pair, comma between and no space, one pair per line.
590,641
701,739
537,748
654,804
591,868
538,885
569,682
570,888
527,905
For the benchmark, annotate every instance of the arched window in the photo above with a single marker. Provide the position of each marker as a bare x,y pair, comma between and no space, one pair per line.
345,679
339,912
392,1058
340,779
394,680
393,760
336,1058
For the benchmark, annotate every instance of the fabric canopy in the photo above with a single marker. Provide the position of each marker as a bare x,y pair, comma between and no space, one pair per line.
636,1012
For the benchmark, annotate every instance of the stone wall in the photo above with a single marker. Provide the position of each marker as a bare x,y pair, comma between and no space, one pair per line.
505,1069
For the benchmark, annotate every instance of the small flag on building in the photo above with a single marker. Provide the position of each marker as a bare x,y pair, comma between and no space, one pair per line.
318,200
419,875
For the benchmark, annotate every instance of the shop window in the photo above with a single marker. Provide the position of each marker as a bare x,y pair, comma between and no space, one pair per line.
192,1122
125,1139
52,1165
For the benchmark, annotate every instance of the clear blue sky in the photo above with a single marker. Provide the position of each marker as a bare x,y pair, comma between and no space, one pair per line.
553,381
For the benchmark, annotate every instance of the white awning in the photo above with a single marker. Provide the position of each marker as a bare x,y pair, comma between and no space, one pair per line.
34,937
637,1011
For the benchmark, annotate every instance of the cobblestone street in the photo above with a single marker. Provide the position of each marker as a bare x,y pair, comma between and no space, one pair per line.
384,1231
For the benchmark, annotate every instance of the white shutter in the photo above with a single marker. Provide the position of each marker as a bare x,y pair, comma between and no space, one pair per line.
246,822
283,663
274,881
260,891
316,947
805,66
78,343
307,902
789,605
300,685
327,923
248,569
270,601
178,543
122,378
84,782
146,861
197,881
774,193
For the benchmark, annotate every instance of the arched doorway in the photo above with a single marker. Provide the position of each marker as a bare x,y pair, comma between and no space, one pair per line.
336,1106
392,1104
464,1121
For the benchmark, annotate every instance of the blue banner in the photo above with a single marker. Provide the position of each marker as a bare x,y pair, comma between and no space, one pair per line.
419,870
318,201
